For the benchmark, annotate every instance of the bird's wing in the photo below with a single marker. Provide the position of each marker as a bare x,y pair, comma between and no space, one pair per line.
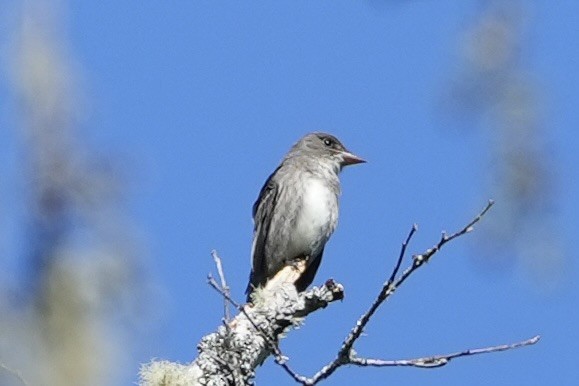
263,209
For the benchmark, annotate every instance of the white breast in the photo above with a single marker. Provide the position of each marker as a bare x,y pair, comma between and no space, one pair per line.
316,221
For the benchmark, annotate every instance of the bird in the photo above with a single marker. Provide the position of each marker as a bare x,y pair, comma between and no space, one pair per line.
296,211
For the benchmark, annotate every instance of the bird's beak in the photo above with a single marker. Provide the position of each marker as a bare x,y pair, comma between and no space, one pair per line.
351,159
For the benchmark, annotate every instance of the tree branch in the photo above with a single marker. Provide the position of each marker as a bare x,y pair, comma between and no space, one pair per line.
441,360
230,355
224,285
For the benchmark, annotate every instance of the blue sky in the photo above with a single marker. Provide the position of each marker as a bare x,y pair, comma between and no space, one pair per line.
200,100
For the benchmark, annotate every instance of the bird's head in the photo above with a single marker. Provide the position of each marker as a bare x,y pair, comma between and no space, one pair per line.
326,146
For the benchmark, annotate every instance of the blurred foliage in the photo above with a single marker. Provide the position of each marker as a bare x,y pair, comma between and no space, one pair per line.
80,267
495,86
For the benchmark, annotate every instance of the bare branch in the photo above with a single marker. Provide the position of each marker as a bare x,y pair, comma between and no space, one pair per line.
441,360
275,310
424,257
388,288
224,285
402,253
230,355
346,355
213,283
420,259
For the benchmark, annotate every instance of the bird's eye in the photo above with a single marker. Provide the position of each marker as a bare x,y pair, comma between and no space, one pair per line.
328,142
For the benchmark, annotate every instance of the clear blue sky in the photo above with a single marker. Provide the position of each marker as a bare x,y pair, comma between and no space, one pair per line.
205,97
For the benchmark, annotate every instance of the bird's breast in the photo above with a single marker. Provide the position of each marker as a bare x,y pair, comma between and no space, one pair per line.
317,217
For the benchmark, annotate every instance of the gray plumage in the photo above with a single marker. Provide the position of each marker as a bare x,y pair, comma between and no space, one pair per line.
297,209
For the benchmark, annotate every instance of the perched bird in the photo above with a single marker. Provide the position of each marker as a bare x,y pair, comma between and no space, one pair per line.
297,209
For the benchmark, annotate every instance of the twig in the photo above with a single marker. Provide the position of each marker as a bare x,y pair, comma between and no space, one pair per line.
224,285
445,238
402,253
420,259
213,283
441,360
